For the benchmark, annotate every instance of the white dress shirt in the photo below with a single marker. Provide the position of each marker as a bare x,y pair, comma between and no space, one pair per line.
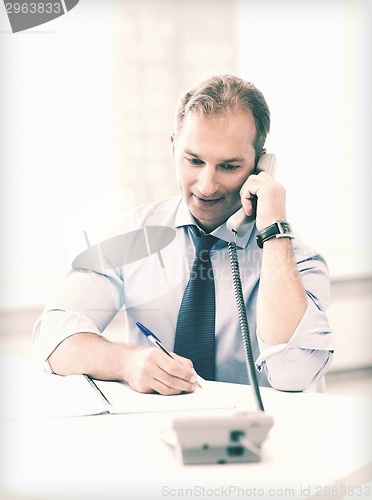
149,282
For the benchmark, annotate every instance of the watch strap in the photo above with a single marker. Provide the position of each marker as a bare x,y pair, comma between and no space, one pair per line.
279,229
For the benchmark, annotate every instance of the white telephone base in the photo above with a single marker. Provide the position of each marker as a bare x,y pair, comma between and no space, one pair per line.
219,439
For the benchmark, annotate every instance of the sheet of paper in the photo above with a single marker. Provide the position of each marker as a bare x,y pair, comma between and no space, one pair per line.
125,400
27,392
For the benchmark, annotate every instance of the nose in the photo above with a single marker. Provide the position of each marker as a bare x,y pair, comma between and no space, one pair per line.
207,181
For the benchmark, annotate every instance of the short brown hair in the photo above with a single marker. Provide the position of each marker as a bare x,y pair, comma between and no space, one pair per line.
220,94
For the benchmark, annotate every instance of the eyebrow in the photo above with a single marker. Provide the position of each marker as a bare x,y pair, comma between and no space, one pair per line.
230,160
233,160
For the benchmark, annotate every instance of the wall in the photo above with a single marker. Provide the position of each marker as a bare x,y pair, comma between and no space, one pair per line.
87,108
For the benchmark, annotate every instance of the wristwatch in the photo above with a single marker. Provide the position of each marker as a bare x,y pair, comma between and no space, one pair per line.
280,229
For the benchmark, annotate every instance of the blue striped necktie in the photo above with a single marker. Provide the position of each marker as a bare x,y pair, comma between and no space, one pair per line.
195,331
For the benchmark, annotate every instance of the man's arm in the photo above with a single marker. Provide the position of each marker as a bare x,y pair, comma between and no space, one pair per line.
293,330
282,299
87,302
145,369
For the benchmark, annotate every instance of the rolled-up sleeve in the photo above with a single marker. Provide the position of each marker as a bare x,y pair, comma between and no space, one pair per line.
86,302
296,365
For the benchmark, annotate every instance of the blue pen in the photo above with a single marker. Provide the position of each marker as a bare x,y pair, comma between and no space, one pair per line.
155,340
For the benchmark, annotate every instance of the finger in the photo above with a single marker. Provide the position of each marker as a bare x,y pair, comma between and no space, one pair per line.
153,378
255,181
250,190
164,383
168,379
164,374
249,187
182,360
187,372
196,378
162,388
249,205
179,367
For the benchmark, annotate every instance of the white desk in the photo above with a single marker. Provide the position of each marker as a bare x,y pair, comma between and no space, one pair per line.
316,440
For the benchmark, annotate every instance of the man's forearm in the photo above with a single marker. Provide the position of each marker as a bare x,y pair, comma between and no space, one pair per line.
282,299
90,354
146,369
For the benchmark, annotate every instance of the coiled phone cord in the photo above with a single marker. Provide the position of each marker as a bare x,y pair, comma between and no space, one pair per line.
244,324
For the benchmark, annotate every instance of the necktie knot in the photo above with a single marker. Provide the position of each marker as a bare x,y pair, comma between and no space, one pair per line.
204,243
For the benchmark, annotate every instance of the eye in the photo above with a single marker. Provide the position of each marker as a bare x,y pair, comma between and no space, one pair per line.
194,161
229,167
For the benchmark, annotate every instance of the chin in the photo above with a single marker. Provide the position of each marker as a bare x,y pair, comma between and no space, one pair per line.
208,224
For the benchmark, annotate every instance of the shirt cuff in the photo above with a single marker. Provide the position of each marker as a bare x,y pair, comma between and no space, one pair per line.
55,326
312,333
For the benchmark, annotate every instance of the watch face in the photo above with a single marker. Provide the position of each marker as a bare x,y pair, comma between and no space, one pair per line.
280,229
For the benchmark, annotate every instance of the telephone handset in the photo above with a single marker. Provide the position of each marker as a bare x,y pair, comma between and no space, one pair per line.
239,222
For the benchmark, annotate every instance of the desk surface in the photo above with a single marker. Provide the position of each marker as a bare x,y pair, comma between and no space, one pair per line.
316,439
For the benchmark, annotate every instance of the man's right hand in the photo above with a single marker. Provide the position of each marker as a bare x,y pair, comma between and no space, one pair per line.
145,369
151,370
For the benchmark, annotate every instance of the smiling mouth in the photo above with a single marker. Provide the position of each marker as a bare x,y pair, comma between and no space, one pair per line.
206,202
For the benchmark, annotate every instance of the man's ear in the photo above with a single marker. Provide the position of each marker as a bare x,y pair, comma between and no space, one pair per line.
173,143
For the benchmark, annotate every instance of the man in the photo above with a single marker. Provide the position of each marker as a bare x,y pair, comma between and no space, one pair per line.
220,131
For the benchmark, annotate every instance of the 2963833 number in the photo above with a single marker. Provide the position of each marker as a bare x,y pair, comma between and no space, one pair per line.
33,8
340,491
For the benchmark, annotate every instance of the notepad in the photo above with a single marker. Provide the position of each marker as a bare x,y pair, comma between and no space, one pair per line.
123,399
27,392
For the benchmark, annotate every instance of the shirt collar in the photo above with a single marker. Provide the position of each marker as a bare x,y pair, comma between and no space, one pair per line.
185,218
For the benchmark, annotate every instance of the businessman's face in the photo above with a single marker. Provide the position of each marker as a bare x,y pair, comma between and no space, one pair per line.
214,156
